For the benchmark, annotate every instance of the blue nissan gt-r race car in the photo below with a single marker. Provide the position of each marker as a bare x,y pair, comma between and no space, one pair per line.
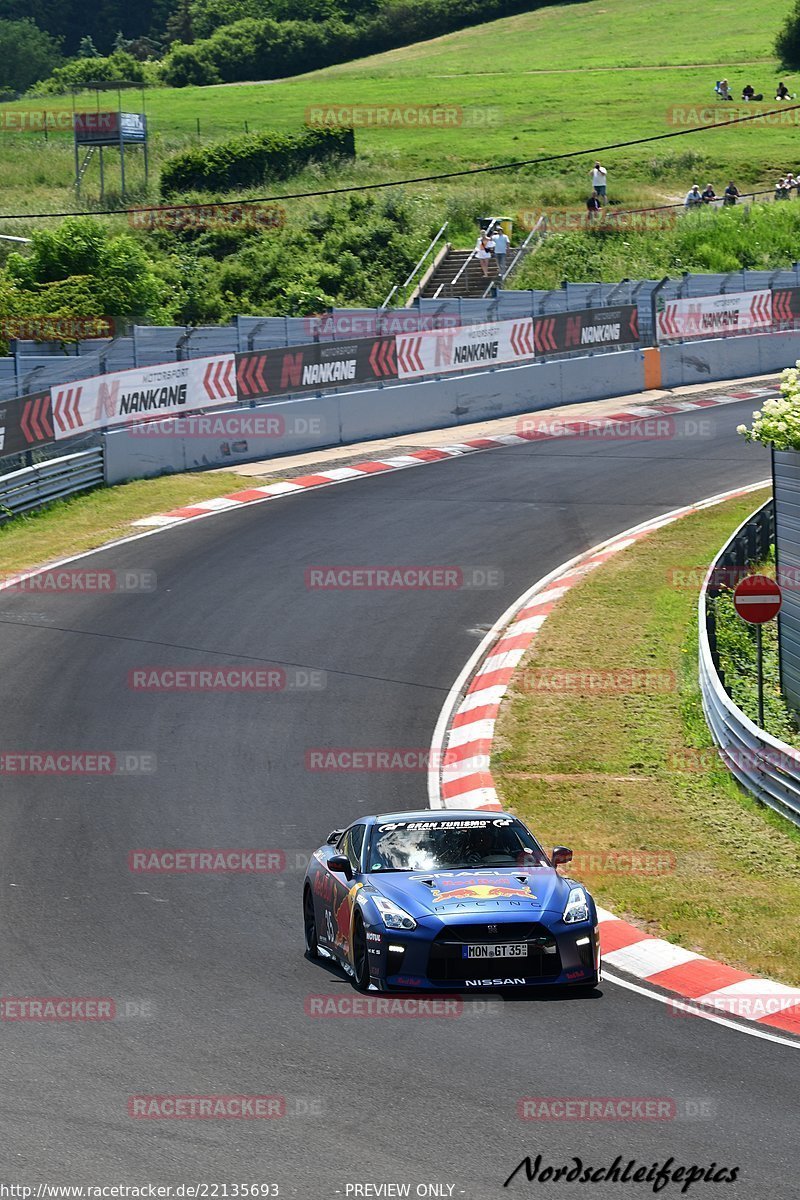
448,900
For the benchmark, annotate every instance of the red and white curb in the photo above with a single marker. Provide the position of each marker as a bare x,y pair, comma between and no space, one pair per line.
548,429
460,778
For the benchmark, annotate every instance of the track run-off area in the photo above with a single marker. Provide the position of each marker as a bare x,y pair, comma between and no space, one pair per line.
211,991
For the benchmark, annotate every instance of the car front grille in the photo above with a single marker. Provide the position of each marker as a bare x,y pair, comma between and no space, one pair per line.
446,962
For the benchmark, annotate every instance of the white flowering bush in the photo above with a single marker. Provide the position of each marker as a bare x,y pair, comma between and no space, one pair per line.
777,422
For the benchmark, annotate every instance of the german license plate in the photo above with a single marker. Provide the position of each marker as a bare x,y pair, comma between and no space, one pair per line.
504,950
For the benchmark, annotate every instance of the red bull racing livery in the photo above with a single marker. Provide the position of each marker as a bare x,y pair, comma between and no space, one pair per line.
448,900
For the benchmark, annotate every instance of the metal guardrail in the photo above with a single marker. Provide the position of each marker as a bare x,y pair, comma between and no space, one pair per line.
766,767
31,487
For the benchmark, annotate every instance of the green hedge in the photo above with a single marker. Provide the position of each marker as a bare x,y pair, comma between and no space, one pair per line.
248,160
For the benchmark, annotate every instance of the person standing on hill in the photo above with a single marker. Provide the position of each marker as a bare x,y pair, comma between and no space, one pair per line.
731,194
501,244
593,206
483,252
599,181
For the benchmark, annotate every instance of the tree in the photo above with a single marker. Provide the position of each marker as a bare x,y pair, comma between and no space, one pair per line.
26,54
87,48
787,43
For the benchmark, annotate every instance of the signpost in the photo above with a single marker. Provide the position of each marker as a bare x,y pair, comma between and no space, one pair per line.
758,599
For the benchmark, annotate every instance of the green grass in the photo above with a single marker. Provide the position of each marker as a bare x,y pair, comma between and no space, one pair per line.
562,78
605,770
85,522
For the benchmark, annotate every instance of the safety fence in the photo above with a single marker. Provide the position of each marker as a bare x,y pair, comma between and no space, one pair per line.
32,487
129,398
768,768
39,365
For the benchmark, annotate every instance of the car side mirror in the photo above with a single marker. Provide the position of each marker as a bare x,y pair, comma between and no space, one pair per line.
341,865
561,855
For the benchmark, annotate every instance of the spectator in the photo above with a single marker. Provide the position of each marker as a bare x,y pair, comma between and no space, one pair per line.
722,90
599,180
593,206
731,194
708,194
483,252
748,93
781,190
693,198
501,244
782,92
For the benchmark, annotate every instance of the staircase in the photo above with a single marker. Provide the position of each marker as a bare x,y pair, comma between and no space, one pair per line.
470,282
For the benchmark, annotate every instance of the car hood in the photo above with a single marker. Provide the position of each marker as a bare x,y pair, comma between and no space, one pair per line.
468,892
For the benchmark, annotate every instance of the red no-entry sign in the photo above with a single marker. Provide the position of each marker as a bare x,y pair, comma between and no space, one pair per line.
757,599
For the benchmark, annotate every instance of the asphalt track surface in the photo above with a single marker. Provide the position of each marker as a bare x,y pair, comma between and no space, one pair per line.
218,959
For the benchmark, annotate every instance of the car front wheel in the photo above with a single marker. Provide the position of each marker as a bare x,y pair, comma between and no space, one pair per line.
360,957
310,924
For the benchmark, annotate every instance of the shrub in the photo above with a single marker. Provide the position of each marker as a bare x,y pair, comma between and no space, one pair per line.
249,159
787,43
77,72
777,422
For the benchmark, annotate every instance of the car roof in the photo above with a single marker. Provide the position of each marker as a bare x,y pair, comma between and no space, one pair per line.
450,814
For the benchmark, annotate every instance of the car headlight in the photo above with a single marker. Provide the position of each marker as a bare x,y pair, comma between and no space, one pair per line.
577,908
394,917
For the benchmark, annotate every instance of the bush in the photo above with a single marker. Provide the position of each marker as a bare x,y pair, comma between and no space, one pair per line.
189,66
78,72
787,43
248,160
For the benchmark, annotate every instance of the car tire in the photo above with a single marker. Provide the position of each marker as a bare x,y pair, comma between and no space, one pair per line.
360,955
310,924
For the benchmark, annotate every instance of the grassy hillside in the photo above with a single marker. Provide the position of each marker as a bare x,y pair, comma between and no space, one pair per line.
561,78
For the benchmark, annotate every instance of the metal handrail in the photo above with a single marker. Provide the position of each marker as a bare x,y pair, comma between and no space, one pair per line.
406,282
766,767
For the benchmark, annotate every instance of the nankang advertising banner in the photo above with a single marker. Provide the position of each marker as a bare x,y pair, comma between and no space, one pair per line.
466,347
261,374
714,316
25,422
125,397
586,329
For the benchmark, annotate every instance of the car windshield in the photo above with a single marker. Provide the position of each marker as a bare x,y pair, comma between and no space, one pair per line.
438,845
